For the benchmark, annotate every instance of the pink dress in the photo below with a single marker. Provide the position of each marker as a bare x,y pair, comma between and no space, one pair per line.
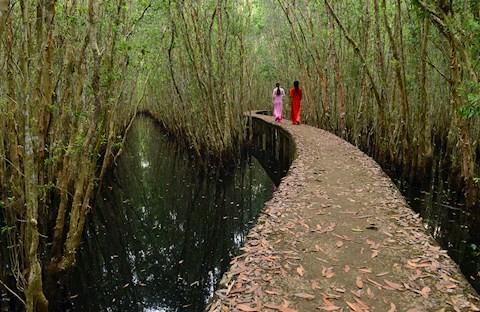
278,104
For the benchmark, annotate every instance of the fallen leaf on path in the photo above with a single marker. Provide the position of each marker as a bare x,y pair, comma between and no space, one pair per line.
425,292
393,285
354,307
282,308
346,268
361,304
246,308
339,244
340,290
253,288
301,271
393,308
331,308
328,273
365,270
305,296
374,282
279,308
359,282
370,293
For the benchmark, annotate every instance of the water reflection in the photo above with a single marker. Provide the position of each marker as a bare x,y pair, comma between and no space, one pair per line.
163,232
445,216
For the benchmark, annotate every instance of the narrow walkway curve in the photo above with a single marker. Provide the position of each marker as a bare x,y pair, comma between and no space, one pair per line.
339,236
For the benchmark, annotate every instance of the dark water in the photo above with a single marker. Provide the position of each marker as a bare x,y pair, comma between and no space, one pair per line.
164,231
443,210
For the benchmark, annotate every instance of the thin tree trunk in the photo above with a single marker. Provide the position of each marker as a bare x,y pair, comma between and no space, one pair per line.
357,50
3,15
401,85
426,133
338,81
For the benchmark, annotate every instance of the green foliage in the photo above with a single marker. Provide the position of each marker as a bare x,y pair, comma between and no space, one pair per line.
469,111
50,186
475,249
118,144
472,106
6,229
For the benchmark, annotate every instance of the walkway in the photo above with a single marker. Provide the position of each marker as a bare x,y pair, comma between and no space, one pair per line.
338,236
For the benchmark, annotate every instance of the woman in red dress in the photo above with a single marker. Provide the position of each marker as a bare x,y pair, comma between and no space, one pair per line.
295,97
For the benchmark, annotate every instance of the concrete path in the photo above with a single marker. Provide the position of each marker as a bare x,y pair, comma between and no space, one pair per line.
338,236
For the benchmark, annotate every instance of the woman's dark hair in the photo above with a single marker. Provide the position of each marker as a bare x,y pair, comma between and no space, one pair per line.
295,84
278,90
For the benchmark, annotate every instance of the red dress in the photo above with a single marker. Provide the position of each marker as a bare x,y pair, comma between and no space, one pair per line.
296,98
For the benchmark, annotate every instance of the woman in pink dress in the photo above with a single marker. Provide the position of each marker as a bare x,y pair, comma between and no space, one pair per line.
277,99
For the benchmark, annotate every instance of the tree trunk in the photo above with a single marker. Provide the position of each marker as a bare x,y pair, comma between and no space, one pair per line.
401,86
338,82
425,155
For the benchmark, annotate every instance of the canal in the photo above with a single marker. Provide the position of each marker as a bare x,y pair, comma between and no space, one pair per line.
164,230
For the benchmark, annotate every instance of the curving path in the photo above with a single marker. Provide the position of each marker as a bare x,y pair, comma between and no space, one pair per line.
338,236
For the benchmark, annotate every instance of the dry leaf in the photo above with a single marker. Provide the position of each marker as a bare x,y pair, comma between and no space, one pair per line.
327,302
374,282
425,292
301,271
246,308
331,308
393,308
346,268
365,270
393,285
305,296
354,307
361,304
370,293
328,273
359,282
339,244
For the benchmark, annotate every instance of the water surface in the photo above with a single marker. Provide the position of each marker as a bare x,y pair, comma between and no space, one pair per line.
164,231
